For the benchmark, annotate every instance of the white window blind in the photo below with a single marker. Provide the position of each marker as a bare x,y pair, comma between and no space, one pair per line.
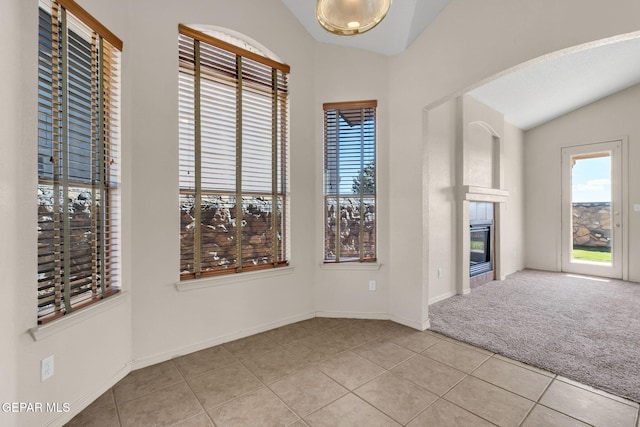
350,181
78,133
233,114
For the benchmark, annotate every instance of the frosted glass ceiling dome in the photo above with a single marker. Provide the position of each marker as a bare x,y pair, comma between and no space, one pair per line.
351,17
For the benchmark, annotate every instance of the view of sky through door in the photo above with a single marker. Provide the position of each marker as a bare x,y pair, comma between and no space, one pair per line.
591,180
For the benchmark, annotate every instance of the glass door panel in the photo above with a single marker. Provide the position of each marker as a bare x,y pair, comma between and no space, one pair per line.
591,210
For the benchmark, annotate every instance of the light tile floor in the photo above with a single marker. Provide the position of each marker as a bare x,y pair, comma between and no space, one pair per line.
347,372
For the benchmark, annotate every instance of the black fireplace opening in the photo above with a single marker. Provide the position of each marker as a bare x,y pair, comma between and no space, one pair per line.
481,250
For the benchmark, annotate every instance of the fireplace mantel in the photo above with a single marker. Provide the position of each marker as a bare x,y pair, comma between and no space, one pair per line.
484,194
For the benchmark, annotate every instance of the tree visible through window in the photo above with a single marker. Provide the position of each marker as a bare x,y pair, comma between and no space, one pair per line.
233,113
350,181
78,132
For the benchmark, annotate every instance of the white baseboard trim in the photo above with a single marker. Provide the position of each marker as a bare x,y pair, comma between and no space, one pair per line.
406,322
353,315
81,404
441,297
375,316
167,355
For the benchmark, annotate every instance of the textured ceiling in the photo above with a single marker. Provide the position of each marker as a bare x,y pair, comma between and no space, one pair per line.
550,88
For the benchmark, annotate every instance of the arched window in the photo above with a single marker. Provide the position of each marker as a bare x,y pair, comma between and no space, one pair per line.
233,115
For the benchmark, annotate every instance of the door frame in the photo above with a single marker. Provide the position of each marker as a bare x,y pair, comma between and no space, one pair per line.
619,167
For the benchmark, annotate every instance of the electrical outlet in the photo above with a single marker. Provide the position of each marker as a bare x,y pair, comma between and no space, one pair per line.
46,368
440,273
372,285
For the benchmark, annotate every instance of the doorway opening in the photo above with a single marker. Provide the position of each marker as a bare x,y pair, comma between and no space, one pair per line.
592,200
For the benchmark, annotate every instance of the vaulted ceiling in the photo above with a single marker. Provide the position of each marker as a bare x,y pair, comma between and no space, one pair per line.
528,96
550,88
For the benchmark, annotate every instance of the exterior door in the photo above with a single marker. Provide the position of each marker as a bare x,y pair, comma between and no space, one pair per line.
592,217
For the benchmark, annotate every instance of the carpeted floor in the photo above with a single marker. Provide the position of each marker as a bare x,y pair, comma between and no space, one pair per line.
584,329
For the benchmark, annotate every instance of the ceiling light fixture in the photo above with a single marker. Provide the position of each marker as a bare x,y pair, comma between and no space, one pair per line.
351,17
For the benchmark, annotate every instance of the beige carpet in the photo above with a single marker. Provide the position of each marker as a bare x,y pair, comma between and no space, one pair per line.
584,329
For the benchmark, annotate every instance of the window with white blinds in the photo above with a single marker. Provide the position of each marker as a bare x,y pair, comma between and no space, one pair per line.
350,181
233,121
78,136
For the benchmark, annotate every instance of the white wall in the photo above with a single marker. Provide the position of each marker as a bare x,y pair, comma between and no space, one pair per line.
513,211
442,176
468,42
612,117
345,74
441,201
166,322
11,219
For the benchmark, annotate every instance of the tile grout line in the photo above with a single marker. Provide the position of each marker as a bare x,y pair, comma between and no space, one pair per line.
468,345
537,401
494,385
384,337
271,390
371,404
348,391
524,365
389,371
555,378
426,389
599,392
456,405
366,402
115,404
194,394
311,365
164,387
553,375
466,375
241,362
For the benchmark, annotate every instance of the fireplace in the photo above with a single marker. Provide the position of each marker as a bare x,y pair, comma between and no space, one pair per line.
481,243
481,248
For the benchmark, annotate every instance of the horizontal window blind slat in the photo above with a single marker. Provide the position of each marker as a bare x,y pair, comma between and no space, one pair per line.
225,117
349,181
83,262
